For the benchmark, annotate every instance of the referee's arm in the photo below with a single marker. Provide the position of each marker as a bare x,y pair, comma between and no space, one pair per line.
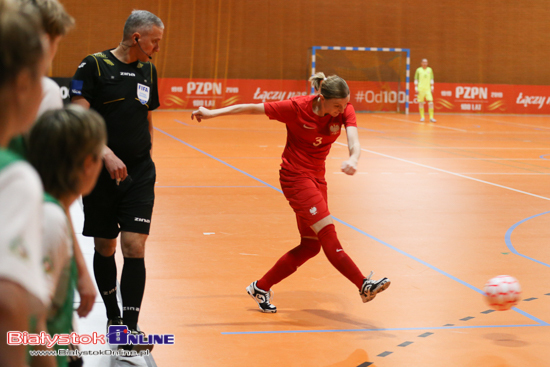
117,169
81,101
151,129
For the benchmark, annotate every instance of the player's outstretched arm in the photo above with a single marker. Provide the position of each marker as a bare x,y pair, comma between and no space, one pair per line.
238,109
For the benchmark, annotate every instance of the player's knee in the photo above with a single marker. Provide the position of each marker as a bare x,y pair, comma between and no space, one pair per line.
133,244
431,105
311,246
135,249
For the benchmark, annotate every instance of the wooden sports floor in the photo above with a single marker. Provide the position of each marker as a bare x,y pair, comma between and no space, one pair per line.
437,208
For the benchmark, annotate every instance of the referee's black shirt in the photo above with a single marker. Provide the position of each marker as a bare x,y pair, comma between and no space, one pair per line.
123,94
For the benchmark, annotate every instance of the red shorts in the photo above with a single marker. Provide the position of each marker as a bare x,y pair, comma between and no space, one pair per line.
308,197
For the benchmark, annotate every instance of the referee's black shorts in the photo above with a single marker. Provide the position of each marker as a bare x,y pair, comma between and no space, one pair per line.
128,207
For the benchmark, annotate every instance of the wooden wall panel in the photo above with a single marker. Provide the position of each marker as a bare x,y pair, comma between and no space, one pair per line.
468,41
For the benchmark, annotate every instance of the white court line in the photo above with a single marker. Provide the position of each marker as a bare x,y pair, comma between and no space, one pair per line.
423,123
507,122
462,173
504,173
464,148
453,173
488,159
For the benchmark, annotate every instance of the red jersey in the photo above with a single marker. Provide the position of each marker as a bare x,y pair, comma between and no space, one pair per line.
309,136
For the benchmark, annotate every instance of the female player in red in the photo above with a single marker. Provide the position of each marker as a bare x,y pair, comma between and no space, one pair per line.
313,123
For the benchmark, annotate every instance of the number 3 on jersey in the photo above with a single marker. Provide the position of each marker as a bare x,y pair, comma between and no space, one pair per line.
318,141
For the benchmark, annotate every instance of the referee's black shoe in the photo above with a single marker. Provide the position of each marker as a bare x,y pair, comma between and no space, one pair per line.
138,347
115,321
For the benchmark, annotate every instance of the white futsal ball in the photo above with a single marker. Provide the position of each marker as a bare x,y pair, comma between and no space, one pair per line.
502,292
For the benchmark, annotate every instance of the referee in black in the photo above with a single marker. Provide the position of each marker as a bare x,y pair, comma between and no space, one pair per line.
121,84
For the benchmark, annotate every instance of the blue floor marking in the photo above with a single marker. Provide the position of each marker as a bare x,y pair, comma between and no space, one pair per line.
508,239
181,122
218,160
533,318
380,329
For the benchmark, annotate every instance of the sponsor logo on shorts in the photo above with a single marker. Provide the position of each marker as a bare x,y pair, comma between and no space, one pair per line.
309,127
313,210
143,220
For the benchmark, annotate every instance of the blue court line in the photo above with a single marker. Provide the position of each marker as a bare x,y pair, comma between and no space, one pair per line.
544,155
380,329
218,160
508,239
533,318
536,319
181,122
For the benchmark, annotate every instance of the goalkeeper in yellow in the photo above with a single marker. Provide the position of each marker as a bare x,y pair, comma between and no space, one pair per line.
424,86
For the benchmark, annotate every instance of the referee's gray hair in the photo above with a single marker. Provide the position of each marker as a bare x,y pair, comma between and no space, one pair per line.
139,21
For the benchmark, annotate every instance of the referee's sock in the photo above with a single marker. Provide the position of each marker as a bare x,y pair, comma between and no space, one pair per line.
337,256
132,287
105,277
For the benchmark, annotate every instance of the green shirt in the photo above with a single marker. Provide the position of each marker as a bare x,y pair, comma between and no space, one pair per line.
424,77
62,321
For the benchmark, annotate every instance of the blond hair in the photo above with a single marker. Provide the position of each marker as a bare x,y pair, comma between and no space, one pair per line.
54,18
59,143
329,87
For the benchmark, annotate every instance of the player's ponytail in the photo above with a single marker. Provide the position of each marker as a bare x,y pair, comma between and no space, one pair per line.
316,81
329,87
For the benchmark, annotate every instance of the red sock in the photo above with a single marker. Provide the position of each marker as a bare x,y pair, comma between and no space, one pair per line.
289,262
337,257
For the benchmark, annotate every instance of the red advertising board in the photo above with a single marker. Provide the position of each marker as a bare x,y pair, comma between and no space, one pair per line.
179,93
491,98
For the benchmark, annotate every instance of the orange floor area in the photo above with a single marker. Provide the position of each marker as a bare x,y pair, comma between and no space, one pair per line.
437,208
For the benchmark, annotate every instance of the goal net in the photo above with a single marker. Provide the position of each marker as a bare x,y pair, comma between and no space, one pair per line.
378,78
